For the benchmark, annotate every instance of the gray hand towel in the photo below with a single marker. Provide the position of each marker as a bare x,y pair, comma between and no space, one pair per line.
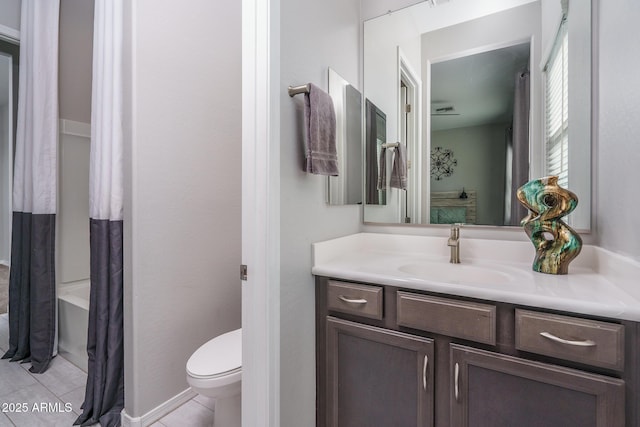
320,128
382,170
399,168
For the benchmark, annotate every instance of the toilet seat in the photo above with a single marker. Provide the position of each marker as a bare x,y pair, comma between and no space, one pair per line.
219,357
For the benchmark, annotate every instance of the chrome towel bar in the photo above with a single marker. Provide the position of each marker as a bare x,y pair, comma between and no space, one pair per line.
295,90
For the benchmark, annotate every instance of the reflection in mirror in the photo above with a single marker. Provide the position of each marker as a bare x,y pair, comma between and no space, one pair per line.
462,43
346,188
375,137
472,118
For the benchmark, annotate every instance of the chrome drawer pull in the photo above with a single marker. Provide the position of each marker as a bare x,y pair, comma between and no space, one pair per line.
352,300
585,343
424,372
456,381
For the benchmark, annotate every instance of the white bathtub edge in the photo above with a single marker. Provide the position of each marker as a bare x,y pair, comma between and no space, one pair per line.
69,292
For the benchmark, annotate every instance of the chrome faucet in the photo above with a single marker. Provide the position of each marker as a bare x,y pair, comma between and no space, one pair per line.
454,243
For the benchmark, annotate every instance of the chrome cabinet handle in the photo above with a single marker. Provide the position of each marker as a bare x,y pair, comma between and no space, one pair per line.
352,300
456,375
584,343
424,372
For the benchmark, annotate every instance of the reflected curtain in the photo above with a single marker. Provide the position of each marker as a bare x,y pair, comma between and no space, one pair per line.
104,395
32,296
520,141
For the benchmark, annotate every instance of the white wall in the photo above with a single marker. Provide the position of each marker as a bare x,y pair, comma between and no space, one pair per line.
182,188
374,8
618,153
314,36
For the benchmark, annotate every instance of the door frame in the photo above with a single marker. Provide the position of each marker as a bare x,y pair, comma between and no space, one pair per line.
261,212
408,76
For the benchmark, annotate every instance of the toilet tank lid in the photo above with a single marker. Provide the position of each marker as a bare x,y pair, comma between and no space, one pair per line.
217,356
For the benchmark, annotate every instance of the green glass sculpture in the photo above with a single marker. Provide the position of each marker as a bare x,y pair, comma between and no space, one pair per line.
556,243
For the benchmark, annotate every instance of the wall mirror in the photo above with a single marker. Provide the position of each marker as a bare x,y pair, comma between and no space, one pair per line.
479,93
346,188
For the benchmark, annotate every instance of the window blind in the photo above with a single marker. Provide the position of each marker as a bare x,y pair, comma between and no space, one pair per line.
556,108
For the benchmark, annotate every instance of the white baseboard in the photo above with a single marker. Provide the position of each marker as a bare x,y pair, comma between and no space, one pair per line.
158,412
5,263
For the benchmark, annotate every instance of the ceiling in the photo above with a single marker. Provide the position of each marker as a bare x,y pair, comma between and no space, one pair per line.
479,87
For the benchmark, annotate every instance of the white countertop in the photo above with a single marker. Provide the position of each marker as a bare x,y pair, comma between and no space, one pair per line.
599,282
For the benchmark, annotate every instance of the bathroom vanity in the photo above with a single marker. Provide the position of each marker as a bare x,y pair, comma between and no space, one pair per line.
499,346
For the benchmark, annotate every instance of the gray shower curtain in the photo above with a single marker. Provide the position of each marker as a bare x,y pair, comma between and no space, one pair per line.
520,140
32,296
104,393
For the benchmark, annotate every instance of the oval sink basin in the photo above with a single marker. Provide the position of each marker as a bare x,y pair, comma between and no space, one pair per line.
456,273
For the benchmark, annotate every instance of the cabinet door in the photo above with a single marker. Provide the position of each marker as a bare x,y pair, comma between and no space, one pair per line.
495,390
377,377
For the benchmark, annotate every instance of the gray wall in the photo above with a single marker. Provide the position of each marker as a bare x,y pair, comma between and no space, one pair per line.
10,13
182,188
314,36
75,59
481,155
10,18
5,180
618,154
75,54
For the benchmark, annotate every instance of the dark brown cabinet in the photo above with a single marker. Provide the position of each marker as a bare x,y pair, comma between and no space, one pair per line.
396,357
377,377
495,390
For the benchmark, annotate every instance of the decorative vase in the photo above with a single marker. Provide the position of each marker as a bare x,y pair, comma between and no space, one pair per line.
556,243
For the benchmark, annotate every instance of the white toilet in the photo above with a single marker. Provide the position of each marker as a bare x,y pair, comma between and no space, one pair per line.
215,370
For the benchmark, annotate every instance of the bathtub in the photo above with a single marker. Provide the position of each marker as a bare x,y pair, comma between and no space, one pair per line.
73,322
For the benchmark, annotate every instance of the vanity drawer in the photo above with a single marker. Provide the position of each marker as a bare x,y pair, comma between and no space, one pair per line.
468,320
362,300
580,340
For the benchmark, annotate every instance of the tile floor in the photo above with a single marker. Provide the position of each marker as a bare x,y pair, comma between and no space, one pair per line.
64,383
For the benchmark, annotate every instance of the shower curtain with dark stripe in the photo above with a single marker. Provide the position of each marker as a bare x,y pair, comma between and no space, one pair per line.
32,297
104,396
